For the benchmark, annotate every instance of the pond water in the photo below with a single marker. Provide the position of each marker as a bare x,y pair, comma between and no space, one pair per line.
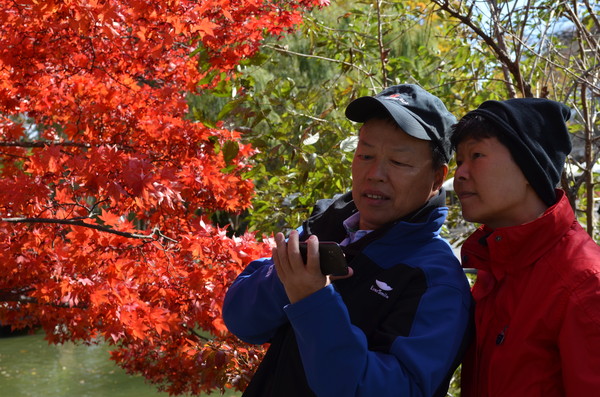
30,367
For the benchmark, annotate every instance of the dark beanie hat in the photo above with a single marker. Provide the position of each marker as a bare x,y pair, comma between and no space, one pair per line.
537,138
417,112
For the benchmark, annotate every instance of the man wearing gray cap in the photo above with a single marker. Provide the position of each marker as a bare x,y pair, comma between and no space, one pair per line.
398,322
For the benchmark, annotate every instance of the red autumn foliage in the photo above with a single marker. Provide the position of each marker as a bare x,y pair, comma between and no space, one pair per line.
106,188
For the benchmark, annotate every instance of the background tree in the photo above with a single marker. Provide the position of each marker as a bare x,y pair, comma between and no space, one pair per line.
107,188
551,50
464,52
299,87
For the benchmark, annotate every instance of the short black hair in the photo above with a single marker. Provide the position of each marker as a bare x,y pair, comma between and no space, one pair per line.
437,155
477,128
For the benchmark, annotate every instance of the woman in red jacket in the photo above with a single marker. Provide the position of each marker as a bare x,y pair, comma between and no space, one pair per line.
537,292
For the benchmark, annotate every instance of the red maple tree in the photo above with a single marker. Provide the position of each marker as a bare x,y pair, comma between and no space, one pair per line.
106,187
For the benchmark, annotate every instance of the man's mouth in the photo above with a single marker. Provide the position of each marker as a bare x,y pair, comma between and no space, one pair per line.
376,196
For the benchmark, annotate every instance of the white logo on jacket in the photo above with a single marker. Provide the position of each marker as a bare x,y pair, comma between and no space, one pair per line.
381,288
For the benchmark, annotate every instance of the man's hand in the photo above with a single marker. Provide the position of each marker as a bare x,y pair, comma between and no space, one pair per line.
299,279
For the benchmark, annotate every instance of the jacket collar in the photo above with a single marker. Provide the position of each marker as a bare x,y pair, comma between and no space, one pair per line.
507,250
328,215
424,223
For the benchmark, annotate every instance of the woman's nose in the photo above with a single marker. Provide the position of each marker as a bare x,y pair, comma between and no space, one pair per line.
462,172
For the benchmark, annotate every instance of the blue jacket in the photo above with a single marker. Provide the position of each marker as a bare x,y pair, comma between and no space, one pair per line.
397,327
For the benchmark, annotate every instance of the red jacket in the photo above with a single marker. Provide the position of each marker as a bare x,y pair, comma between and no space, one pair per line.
537,312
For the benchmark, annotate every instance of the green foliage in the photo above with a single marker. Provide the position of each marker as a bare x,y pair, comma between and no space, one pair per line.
290,100
542,49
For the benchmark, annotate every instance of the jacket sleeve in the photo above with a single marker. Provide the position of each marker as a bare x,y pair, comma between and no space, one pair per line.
336,355
253,306
579,340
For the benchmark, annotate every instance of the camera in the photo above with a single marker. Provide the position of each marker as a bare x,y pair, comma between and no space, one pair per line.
331,257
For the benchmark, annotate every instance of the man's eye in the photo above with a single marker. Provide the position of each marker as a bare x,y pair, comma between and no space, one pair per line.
400,163
364,156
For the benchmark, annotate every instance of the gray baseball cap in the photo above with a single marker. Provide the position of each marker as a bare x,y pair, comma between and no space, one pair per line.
416,111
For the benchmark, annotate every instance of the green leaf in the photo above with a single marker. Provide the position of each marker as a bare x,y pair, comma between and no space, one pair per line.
349,144
311,139
230,151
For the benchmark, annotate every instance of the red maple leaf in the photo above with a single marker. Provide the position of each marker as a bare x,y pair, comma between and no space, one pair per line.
103,177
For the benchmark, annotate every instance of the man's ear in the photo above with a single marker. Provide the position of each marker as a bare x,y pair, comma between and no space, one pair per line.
440,177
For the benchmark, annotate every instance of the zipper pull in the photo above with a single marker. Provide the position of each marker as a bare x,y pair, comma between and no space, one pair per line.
500,337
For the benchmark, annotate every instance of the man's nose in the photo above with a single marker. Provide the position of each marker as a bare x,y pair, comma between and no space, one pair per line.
377,171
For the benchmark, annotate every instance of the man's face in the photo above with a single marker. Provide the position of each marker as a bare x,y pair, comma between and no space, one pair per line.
392,174
491,187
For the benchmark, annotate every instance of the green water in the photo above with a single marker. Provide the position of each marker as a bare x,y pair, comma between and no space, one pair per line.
30,367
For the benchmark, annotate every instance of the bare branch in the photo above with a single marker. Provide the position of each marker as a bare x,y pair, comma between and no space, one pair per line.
21,297
286,51
40,144
383,52
592,14
500,51
580,28
580,77
79,222
16,295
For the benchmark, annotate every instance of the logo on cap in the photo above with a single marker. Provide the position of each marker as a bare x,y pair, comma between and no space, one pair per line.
398,97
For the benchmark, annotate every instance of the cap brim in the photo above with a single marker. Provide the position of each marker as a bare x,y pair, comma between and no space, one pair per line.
365,108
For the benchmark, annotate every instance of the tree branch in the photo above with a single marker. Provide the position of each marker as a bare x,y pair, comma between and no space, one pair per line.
40,144
21,297
503,57
592,14
383,52
585,34
286,51
580,76
16,296
79,222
